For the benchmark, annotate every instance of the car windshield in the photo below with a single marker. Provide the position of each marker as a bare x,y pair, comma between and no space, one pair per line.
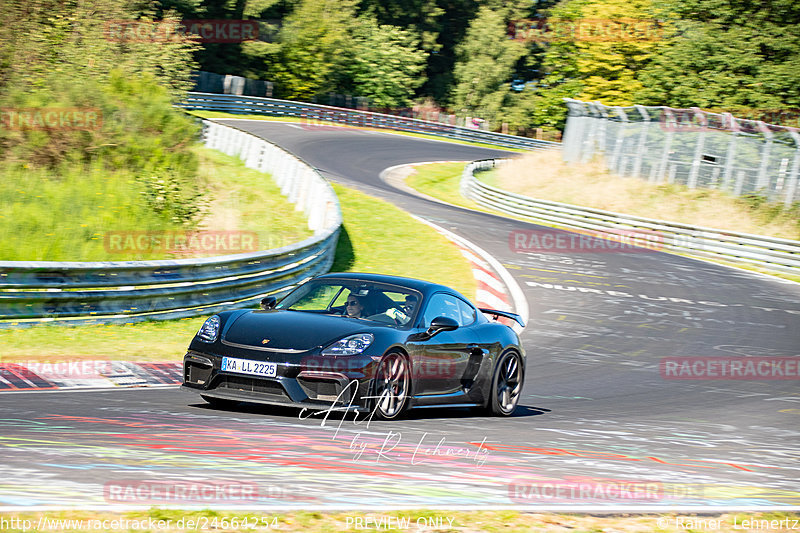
388,304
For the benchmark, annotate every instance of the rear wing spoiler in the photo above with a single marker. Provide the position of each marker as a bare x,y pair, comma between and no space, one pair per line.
505,314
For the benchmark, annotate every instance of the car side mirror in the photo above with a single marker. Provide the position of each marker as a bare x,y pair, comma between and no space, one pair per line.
268,303
439,324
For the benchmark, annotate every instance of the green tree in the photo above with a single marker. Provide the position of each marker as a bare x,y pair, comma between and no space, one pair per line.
315,39
590,50
728,54
84,39
485,64
387,64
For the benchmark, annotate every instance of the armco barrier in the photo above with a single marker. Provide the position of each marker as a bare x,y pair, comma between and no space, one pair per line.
778,255
314,113
126,291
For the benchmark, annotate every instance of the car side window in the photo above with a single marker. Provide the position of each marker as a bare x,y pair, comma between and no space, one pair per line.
467,313
441,304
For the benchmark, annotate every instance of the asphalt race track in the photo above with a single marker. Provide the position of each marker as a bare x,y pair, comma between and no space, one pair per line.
604,421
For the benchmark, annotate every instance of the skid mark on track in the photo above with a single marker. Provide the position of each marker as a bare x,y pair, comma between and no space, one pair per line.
302,463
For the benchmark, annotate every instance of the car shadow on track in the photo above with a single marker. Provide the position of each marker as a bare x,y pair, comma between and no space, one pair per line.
450,413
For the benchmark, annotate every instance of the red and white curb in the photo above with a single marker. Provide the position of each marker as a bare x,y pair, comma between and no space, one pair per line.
87,374
497,288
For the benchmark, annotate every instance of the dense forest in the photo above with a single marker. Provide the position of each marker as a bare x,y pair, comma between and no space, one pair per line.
463,55
508,61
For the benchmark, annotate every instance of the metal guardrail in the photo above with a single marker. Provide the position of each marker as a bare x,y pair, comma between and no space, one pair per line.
769,253
314,113
125,291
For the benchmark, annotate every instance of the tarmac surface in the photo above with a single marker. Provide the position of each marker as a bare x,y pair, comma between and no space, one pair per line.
611,416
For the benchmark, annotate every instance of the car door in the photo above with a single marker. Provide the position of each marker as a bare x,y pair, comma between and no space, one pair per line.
443,360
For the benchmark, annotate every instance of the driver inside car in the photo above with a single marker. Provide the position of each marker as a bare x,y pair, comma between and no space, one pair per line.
403,312
354,308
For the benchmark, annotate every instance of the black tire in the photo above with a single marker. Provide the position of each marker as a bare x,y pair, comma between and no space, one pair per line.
219,403
506,384
392,386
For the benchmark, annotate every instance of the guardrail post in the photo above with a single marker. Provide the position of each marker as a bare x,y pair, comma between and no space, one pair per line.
763,178
669,125
640,151
698,152
575,131
791,182
730,156
614,164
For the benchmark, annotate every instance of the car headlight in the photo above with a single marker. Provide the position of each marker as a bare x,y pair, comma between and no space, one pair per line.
210,329
352,345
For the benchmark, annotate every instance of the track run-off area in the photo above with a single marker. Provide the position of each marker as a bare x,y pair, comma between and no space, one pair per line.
608,419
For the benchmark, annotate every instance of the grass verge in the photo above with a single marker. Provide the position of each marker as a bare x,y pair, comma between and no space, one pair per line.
411,520
441,181
376,237
220,114
97,215
544,175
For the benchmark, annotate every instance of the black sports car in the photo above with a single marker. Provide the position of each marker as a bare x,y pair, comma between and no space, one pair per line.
363,342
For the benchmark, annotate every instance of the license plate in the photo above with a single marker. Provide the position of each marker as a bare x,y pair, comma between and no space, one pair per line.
246,366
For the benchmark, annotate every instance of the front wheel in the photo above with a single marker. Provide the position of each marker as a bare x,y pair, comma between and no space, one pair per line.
506,384
392,384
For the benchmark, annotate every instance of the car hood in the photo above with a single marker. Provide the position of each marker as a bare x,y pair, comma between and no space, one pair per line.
290,330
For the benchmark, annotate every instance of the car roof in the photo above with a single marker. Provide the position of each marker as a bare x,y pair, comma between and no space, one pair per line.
425,287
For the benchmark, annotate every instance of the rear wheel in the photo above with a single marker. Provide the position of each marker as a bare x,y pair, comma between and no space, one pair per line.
392,385
506,384
219,403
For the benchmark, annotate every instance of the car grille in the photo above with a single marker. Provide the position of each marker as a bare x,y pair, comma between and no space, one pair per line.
196,373
262,386
325,390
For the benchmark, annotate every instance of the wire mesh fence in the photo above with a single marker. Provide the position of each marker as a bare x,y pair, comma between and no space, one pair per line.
688,146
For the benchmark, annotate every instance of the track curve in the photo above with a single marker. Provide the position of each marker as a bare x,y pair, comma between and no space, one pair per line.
596,410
